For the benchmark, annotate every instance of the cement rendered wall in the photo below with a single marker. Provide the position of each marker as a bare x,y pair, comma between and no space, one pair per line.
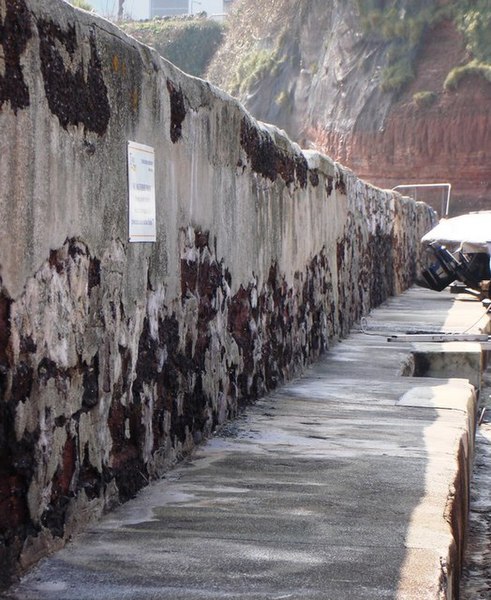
117,358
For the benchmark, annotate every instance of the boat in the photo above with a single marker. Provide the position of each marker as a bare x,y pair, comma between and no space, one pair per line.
460,249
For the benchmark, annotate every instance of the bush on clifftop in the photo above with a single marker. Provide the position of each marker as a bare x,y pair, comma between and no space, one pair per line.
188,43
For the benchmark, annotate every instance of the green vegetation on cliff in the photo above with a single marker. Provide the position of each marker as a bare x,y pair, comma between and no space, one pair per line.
425,98
262,44
189,43
457,74
401,24
252,68
261,37
473,19
81,4
259,43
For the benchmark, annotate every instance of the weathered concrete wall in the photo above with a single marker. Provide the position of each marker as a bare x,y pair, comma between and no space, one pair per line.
116,358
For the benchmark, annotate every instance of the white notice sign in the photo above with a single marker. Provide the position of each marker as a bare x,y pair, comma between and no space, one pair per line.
141,183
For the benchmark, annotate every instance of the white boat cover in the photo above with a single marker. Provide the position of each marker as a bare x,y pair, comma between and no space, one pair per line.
469,233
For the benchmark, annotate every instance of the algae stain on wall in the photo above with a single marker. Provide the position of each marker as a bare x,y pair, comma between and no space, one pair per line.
15,32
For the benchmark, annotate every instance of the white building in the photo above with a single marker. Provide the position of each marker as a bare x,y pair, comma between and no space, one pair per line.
147,9
166,8
135,9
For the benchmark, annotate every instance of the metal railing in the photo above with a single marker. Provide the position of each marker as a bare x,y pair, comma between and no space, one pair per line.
416,186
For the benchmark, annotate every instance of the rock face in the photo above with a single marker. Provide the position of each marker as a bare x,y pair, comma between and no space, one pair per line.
449,141
323,86
116,358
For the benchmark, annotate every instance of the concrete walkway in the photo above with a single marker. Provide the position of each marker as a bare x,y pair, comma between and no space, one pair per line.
348,483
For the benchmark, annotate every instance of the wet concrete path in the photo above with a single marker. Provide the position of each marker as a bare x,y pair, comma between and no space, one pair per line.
342,484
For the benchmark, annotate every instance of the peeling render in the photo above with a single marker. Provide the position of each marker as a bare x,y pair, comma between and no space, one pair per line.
116,359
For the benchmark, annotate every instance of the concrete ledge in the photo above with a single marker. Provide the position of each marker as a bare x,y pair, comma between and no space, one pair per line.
448,437
446,359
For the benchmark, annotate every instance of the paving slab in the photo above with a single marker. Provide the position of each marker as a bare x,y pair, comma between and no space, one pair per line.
348,483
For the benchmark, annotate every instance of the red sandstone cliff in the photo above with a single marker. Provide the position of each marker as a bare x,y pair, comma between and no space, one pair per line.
447,141
323,87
